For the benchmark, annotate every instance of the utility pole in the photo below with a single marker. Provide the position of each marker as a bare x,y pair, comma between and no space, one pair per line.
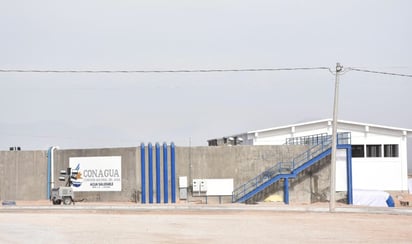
332,200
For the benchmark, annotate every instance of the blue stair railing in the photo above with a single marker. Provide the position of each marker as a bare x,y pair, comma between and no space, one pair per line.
289,169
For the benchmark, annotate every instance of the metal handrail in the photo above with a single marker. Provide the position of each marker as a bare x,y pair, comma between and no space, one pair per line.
288,167
279,168
307,140
311,153
344,138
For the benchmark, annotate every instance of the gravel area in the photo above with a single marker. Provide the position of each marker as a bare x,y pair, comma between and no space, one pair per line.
199,224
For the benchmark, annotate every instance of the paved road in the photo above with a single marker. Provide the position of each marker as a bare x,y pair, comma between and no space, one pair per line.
199,225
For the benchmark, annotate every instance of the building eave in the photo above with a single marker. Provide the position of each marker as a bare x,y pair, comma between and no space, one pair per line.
408,131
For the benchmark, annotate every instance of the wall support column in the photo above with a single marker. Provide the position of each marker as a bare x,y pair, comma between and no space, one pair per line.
286,190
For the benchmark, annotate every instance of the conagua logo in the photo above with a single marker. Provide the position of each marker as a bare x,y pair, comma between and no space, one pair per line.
77,180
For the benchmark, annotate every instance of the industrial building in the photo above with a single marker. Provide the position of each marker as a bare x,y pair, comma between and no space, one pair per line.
290,161
379,153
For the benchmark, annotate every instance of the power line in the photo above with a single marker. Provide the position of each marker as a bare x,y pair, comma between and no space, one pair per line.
197,71
162,71
380,72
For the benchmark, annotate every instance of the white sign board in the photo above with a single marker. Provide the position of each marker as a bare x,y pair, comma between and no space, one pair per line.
97,173
213,187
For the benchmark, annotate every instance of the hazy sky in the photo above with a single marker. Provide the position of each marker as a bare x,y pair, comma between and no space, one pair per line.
113,110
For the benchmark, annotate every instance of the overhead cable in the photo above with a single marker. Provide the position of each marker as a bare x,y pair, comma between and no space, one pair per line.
380,72
160,71
197,71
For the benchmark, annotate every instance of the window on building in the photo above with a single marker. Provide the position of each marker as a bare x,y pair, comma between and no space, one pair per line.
374,151
358,151
391,151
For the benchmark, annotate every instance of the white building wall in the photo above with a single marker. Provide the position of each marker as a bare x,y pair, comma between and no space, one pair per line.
403,153
341,177
380,173
377,174
367,173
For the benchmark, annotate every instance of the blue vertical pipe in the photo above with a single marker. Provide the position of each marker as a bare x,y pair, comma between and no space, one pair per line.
173,171
48,171
165,178
157,173
150,152
349,173
286,190
143,169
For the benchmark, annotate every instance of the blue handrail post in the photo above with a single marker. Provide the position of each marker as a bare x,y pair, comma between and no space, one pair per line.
286,190
173,171
349,174
143,171
165,175
150,152
158,186
337,139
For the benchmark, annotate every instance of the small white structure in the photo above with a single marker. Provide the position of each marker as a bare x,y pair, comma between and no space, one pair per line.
379,153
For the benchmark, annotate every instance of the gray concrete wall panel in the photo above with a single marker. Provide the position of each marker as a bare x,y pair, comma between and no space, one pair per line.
23,175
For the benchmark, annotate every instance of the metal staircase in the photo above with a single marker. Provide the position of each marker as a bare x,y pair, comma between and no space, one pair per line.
320,147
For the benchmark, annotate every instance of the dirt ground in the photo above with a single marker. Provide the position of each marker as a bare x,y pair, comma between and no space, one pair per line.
224,224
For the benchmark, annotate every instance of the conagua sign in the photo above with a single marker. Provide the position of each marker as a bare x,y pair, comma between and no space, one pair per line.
97,173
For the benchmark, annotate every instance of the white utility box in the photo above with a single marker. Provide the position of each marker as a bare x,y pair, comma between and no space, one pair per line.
183,187
182,181
199,185
203,185
196,185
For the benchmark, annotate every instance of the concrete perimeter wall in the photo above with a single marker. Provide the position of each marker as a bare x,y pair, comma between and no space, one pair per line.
23,174
242,163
